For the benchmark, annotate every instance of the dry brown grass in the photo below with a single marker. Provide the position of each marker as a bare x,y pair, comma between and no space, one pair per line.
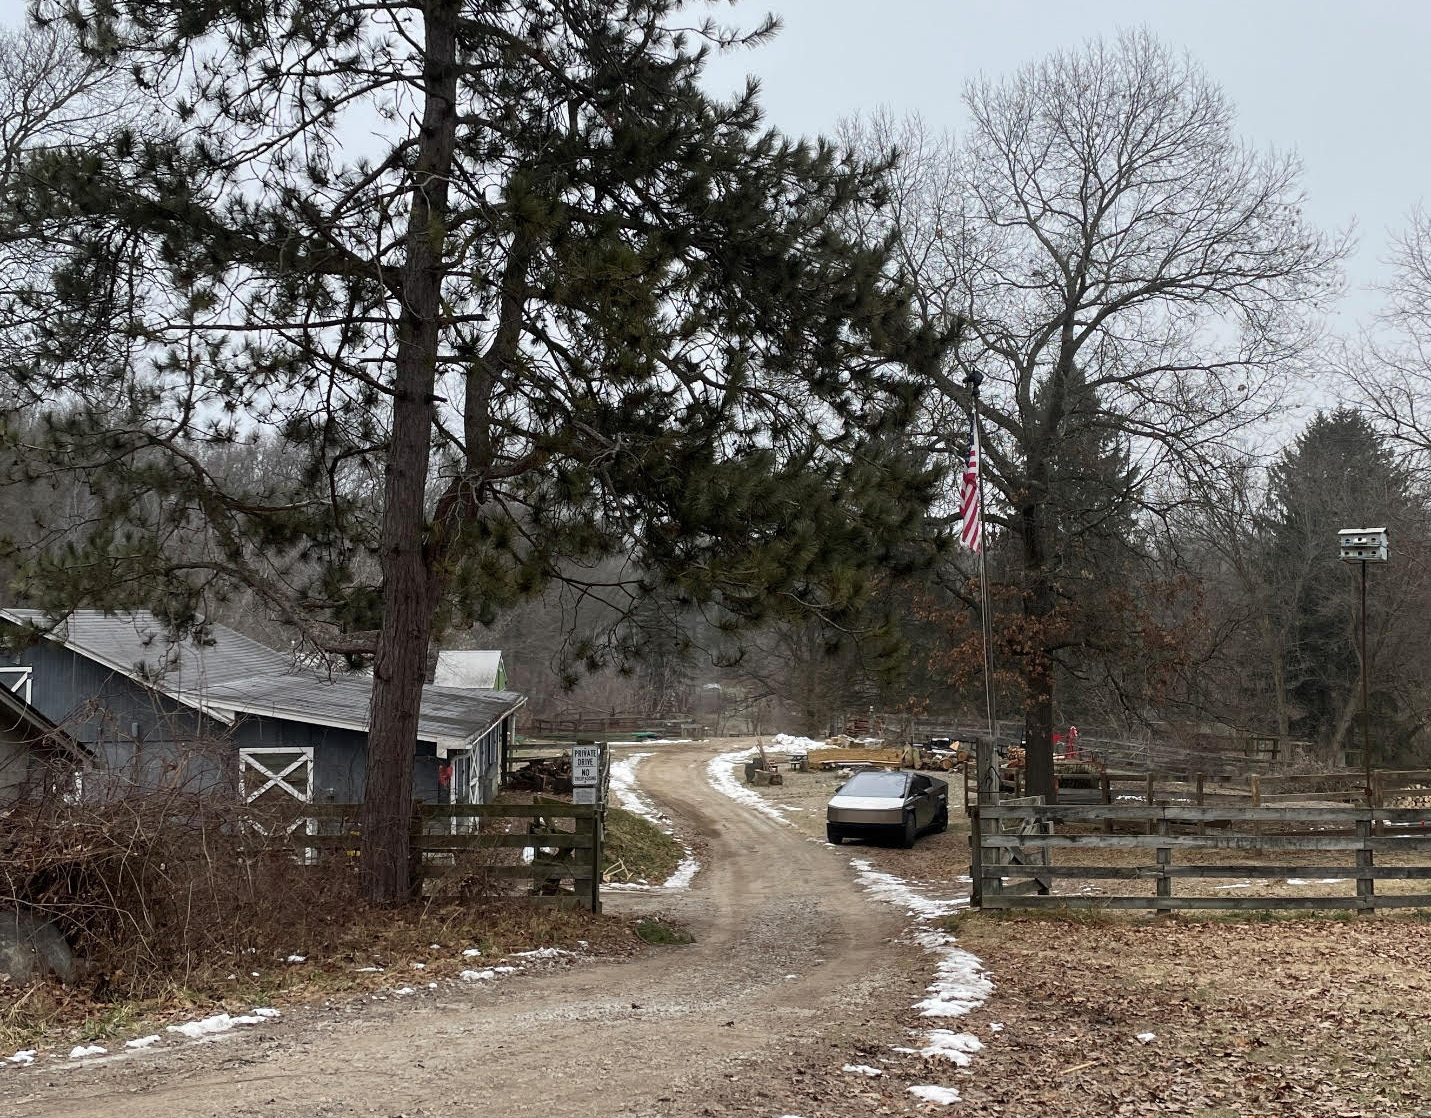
1314,1016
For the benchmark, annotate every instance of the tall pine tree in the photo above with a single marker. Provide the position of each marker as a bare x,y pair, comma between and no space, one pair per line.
513,292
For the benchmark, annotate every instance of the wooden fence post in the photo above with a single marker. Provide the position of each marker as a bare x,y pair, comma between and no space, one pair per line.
1148,798
1106,788
1165,857
1201,800
1365,886
976,860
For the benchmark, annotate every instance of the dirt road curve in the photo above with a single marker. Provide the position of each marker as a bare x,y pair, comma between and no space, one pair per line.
789,959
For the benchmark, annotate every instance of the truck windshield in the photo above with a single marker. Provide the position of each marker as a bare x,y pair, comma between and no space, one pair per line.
873,783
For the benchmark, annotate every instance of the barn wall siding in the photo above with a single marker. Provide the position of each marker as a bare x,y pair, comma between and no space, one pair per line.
143,739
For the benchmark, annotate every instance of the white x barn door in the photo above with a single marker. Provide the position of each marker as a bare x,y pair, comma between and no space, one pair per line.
276,772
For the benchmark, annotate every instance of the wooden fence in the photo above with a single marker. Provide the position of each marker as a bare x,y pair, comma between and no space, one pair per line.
1389,786
1013,843
600,725
564,839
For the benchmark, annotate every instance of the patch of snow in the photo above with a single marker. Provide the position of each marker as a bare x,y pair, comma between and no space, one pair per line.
297,958
1235,885
505,970
1146,1038
944,1096
684,873
896,891
996,1027
81,1051
419,966
477,975
957,1048
370,970
863,1069
720,771
543,953
404,991
472,953
790,742
23,1058
220,1023
1317,881
266,1012
960,984
142,1041
623,789
788,977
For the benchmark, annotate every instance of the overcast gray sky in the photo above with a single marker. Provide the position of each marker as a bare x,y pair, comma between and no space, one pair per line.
1346,85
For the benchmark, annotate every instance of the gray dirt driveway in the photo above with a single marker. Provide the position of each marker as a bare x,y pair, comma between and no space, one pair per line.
795,972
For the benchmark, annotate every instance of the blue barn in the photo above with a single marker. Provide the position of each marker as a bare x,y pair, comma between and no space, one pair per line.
163,714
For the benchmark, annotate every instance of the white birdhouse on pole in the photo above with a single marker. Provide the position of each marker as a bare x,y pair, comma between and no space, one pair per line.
1363,545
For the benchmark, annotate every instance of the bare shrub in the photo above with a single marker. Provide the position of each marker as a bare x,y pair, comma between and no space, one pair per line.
153,888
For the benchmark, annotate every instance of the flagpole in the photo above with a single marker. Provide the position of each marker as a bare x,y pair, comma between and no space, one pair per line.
974,379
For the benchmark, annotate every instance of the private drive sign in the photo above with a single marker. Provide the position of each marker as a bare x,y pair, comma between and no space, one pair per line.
585,766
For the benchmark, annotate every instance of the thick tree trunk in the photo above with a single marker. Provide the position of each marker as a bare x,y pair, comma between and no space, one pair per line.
1038,684
1039,602
408,587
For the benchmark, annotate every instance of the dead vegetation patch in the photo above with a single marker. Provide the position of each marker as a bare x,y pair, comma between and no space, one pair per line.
1318,1016
176,905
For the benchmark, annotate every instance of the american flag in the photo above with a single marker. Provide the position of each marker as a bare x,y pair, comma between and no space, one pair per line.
971,518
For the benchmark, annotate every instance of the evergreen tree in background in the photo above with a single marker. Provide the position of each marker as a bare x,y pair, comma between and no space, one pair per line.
1338,473
506,291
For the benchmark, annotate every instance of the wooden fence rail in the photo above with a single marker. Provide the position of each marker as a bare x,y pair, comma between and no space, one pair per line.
1256,789
1001,852
1012,843
565,841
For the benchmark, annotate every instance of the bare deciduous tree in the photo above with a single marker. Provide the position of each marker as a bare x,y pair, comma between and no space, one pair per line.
1126,268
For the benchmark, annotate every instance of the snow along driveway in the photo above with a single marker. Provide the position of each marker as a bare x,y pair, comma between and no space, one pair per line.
795,973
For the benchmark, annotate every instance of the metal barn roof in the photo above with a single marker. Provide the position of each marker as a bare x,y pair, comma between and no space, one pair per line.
233,675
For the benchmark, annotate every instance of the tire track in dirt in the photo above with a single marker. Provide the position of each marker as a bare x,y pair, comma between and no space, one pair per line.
787,950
